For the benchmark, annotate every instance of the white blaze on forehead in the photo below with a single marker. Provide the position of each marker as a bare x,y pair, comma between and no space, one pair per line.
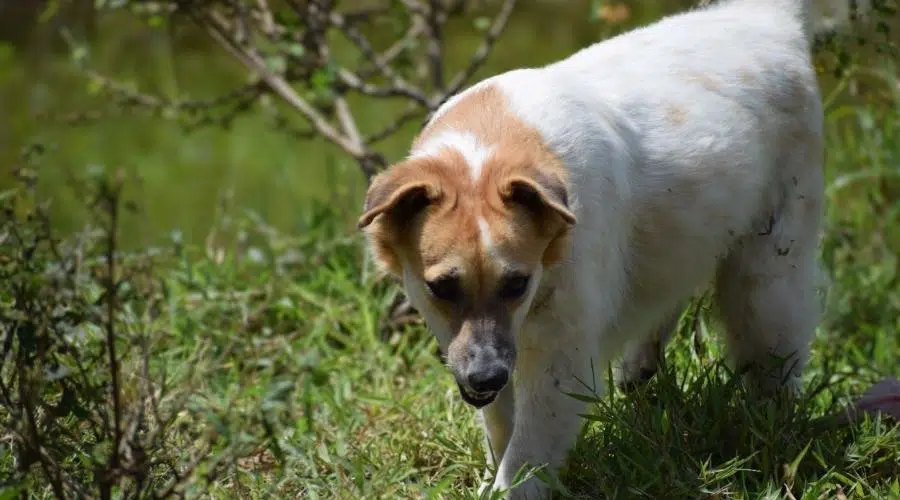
466,143
485,233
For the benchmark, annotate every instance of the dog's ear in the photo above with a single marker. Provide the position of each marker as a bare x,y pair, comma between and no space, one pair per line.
542,193
398,194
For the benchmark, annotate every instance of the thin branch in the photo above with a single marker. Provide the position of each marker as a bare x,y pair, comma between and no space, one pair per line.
345,117
410,113
216,28
112,291
399,86
434,21
481,54
35,439
239,98
268,20
354,82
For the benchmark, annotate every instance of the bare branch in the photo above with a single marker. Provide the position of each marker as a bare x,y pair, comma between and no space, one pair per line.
217,28
434,21
290,63
481,54
348,123
410,113
399,86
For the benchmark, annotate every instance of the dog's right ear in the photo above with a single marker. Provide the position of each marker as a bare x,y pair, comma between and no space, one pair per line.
397,193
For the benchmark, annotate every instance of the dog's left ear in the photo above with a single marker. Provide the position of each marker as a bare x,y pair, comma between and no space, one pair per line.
396,192
542,194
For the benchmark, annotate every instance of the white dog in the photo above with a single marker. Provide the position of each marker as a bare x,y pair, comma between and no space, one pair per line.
548,218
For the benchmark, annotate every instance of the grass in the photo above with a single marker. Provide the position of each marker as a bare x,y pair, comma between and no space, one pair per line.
291,370
285,345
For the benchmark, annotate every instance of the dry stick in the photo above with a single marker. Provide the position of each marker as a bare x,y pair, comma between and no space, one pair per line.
112,290
397,48
50,472
355,82
399,86
412,111
137,99
434,20
268,20
480,56
345,117
216,28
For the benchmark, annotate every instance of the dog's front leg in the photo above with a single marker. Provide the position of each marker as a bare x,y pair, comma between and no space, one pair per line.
497,419
547,421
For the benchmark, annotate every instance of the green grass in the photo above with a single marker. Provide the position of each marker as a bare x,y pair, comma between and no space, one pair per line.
284,344
295,374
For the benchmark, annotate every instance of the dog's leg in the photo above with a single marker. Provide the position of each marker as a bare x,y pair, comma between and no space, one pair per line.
641,360
497,419
766,288
547,421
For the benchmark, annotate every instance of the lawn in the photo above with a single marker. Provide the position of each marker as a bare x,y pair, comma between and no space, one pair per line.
261,333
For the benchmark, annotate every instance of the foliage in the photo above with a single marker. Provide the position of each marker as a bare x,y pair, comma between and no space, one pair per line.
279,373
292,53
265,364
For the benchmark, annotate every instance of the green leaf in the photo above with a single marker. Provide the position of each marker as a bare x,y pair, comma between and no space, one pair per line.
276,63
296,50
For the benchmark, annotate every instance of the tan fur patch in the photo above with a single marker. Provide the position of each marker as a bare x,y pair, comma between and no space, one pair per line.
746,76
449,233
676,114
703,80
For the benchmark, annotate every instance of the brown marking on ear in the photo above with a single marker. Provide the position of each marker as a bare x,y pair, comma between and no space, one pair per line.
539,195
447,231
401,197
393,201
519,152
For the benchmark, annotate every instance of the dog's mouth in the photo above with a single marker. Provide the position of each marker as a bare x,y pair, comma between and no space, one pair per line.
476,399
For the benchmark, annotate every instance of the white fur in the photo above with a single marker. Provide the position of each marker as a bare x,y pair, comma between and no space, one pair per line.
682,174
466,143
484,232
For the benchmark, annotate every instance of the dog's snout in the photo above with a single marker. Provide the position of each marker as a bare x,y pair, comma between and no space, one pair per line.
490,378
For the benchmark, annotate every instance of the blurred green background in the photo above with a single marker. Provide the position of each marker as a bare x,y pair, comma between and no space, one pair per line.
181,177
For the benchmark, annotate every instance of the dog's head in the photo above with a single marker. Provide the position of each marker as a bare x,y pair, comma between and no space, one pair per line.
469,226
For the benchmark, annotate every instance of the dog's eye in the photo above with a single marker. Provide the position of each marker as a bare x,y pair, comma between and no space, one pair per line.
445,288
514,287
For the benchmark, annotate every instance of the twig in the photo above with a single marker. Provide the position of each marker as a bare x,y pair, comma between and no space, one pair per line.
434,21
354,82
399,86
216,28
35,439
345,117
111,198
411,112
481,54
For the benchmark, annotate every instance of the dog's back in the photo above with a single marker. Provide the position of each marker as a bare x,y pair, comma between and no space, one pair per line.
675,135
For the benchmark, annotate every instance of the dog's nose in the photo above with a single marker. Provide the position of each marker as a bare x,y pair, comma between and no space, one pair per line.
489,379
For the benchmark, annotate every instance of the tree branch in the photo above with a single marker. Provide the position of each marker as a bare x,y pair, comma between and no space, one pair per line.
481,54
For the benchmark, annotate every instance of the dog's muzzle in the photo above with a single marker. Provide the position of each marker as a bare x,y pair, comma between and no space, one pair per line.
482,385
476,399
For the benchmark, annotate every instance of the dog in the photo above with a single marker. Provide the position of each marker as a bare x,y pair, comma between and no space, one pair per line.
549,220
